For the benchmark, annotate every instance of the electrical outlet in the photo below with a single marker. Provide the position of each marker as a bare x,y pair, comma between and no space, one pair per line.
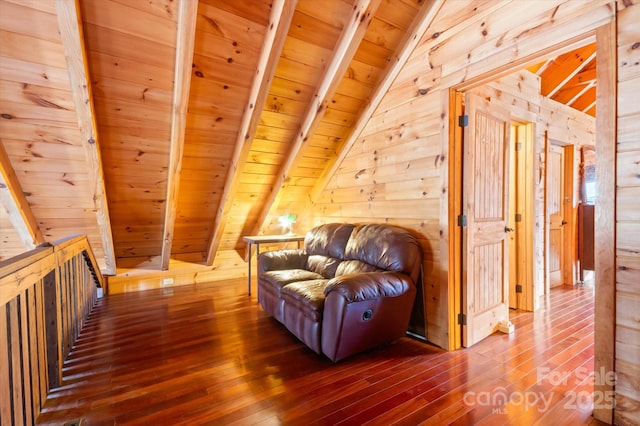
167,281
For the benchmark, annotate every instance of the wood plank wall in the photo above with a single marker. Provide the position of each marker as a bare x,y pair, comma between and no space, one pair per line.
396,171
627,271
47,294
39,127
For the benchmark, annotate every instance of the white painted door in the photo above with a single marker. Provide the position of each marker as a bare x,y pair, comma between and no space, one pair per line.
485,274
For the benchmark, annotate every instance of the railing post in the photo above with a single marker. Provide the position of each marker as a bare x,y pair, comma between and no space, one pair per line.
51,317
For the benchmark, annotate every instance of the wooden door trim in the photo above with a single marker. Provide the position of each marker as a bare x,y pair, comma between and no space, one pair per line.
454,206
525,241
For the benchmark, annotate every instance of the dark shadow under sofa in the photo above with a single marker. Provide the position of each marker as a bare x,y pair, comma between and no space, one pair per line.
350,288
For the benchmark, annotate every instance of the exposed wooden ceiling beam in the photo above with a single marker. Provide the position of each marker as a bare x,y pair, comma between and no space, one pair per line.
346,48
556,77
587,75
575,71
70,25
587,99
281,16
15,203
581,92
185,41
543,66
411,39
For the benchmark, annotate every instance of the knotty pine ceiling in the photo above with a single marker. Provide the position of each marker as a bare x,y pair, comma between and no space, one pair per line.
170,129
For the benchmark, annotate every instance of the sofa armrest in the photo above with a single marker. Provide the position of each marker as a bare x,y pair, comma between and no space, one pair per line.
370,285
279,260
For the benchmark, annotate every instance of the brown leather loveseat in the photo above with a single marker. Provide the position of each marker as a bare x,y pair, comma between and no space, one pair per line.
351,288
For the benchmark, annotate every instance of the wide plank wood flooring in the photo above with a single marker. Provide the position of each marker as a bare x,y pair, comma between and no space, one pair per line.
209,355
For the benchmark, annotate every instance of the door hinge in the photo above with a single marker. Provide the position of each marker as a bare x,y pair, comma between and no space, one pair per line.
518,146
463,120
462,319
462,220
518,217
518,288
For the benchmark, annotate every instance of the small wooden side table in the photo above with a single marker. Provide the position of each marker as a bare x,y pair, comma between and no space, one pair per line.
267,239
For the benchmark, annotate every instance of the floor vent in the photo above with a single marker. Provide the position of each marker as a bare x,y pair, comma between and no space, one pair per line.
75,422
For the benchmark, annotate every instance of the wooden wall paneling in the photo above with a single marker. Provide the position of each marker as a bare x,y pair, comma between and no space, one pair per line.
568,23
26,94
17,70
107,41
118,74
605,214
622,40
421,22
227,264
119,16
10,241
12,199
16,17
23,46
123,52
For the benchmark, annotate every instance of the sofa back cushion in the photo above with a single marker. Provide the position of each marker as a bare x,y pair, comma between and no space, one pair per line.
325,246
375,246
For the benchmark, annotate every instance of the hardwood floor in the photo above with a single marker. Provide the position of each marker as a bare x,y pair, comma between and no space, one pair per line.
210,355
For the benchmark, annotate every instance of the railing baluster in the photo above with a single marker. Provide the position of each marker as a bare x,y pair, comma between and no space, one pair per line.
46,296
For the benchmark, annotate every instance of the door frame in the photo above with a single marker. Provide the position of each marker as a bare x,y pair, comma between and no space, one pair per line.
569,257
606,127
453,102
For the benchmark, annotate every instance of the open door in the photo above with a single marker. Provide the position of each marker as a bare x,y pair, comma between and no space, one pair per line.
485,274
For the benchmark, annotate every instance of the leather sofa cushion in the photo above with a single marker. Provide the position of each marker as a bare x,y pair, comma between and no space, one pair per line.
385,247
281,260
323,265
328,240
355,267
306,297
279,279
360,287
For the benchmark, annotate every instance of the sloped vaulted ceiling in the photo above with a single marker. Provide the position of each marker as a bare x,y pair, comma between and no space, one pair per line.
169,129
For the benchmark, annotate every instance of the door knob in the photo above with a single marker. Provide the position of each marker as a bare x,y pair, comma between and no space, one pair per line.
507,229
564,222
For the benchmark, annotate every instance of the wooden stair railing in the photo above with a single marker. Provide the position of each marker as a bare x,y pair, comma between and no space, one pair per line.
46,296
